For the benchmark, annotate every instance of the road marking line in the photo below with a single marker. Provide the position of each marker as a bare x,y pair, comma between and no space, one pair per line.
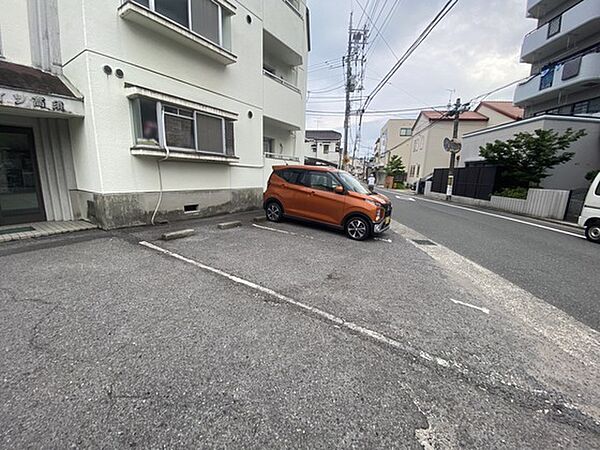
499,216
408,199
383,240
567,333
272,229
291,233
468,305
335,320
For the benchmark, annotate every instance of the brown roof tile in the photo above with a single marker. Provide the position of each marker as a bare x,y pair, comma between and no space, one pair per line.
27,78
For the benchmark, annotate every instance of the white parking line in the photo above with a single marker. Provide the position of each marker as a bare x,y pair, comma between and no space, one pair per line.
499,216
331,318
408,199
389,241
272,229
468,305
275,230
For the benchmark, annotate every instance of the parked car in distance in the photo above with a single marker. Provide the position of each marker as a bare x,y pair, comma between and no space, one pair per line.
590,215
329,196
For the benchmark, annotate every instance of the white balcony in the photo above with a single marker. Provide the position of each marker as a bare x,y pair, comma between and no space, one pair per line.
532,91
283,101
575,24
539,8
285,23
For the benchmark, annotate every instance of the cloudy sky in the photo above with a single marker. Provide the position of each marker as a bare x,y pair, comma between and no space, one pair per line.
474,50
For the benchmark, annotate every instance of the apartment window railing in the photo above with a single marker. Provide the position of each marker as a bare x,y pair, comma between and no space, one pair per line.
281,80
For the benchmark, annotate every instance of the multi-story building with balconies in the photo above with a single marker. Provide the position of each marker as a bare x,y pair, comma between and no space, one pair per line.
564,53
562,92
124,112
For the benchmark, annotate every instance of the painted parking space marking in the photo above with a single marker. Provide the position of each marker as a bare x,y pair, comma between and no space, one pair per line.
389,241
337,321
499,216
408,199
276,230
468,305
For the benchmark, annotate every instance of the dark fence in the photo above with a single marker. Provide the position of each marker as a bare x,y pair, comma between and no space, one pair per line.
475,182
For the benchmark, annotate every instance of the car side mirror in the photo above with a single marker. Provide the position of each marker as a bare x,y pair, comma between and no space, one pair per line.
339,189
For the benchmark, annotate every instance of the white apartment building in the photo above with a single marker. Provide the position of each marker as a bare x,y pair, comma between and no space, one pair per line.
564,53
121,110
563,90
323,146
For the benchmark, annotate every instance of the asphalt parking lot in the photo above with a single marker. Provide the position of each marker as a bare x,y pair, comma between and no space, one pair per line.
271,335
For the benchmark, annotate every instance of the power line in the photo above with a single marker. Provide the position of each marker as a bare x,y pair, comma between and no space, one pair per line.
430,27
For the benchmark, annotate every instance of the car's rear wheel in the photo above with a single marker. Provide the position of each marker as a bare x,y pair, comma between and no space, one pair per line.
273,211
358,228
592,232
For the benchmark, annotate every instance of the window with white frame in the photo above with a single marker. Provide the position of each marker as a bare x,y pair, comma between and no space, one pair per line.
181,129
325,149
405,131
204,17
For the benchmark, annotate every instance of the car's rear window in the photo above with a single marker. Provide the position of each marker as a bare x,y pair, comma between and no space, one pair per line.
290,175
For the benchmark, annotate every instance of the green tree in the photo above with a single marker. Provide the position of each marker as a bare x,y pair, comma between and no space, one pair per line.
591,175
394,167
526,158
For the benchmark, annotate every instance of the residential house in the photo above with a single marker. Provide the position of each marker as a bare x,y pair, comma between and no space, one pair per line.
499,112
395,139
125,111
563,90
323,147
429,132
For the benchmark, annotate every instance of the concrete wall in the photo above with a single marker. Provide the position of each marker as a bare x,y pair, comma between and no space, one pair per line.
14,27
542,203
495,117
568,176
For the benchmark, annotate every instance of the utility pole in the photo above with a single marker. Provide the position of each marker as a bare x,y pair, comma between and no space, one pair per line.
344,154
355,61
454,146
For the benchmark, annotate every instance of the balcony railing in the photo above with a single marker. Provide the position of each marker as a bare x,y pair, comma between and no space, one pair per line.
280,80
582,20
568,76
281,157
538,8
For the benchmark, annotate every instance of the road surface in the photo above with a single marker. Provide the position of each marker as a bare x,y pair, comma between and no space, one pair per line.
553,262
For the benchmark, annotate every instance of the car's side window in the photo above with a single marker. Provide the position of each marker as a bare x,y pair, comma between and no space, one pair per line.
322,181
291,176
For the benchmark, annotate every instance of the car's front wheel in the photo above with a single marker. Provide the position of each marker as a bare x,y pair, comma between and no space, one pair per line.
592,232
358,228
274,212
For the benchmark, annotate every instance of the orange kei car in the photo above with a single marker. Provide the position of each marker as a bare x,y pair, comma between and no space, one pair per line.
328,196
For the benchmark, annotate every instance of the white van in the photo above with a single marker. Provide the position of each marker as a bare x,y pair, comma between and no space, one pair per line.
590,216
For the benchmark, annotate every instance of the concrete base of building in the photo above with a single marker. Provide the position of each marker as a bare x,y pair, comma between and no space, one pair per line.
110,211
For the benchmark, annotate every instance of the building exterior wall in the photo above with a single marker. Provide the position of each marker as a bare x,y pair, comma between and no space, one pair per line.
428,146
568,176
496,118
396,144
98,37
333,155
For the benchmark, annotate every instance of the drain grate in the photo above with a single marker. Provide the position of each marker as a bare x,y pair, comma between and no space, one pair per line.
16,230
423,242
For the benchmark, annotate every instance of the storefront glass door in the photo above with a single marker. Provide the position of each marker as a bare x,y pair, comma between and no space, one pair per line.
20,194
